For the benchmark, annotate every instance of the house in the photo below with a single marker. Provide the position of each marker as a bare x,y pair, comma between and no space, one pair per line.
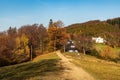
70,47
98,40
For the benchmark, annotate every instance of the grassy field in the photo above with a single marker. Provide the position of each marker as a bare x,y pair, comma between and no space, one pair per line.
99,69
41,68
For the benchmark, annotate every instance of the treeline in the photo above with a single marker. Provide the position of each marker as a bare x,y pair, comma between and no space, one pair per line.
115,22
29,41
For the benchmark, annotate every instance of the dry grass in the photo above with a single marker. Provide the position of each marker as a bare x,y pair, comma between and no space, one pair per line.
100,69
52,55
43,67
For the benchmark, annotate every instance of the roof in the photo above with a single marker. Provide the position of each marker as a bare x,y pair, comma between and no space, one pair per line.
70,46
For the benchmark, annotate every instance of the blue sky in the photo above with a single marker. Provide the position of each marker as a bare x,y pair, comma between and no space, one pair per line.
22,12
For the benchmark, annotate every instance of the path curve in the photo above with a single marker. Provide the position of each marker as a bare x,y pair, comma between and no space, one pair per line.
72,72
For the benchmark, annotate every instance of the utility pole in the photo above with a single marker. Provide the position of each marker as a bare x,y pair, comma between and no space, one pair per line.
31,52
64,47
55,44
42,46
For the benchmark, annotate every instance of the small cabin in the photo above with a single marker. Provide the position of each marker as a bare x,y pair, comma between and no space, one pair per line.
98,40
70,47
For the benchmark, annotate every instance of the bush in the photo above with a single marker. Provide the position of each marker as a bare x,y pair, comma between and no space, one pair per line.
94,52
107,53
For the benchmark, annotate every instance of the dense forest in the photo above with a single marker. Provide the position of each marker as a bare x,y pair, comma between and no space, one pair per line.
29,41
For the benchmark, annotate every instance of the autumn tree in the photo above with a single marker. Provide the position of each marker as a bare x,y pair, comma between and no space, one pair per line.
108,53
83,43
5,55
57,35
21,52
37,37
7,45
31,34
42,37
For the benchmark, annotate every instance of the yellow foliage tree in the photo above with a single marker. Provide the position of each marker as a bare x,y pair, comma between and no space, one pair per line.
108,53
22,50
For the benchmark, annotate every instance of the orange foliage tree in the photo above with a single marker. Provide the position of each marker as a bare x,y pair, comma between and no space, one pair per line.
57,35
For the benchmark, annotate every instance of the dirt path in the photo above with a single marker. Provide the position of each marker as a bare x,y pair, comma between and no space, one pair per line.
72,72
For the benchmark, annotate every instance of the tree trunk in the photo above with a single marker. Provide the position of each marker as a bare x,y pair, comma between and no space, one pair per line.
64,48
42,46
55,44
31,52
83,51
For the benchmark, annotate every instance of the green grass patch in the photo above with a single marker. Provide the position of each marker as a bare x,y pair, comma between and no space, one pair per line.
99,47
99,69
46,65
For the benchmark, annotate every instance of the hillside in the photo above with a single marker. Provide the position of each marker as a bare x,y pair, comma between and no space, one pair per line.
96,28
71,67
52,66
93,28
44,68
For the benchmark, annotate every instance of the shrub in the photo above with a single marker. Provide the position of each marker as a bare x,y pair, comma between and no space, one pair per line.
107,53
94,52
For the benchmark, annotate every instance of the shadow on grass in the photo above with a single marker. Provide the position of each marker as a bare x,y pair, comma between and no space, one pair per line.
30,69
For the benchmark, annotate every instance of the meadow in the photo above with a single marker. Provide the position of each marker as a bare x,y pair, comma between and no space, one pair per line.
98,68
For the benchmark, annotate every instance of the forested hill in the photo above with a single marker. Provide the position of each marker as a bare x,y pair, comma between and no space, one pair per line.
95,27
109,29
114,22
